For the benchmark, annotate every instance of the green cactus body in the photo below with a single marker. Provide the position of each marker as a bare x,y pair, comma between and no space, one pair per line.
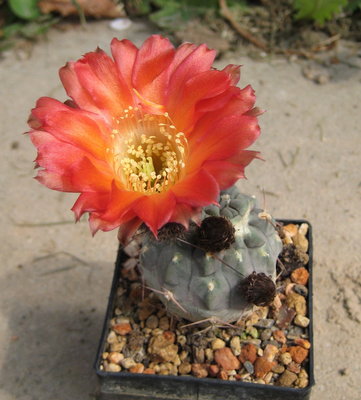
197,285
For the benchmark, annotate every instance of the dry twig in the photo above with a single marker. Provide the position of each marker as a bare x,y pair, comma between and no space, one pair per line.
227,14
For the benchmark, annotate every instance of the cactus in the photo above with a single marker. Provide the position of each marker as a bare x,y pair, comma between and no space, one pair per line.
197,283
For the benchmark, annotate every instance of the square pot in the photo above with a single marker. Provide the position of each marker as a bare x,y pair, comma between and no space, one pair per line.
129,386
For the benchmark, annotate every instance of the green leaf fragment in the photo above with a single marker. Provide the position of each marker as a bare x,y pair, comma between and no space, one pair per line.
26,9
318,10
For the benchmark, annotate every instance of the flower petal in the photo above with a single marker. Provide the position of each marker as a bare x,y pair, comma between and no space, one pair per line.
199,60
155,210
227,172
150,68
75,90
90,202
240,101
225,139
98,75
120,203
73,126
234,73
198,190
124,53
217,103
202,86
67,168
184,213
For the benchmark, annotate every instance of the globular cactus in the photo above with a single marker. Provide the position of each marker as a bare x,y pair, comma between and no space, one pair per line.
218,269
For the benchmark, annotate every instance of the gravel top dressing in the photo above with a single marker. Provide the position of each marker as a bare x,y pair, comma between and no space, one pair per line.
271,346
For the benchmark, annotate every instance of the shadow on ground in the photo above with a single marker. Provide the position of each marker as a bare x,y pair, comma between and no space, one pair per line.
53,329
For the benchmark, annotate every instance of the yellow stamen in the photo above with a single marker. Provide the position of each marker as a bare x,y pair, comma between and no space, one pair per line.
148,153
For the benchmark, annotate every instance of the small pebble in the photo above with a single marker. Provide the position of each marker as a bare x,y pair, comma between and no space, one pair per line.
185,368
209,354
300,241
300,289
300,276
123,328
164,323
149,371
303,342
236,345
162,347
152,322
118,347
302,380
297,302
137,369
222,374
199,370
248,353
231,372
182,340
294,367
128,363
115,357
253,332
112,367
285,316
198,355
298,353
280,336
270,352
213,370
226,359
302,321
156,331
176,361
266,334
256,342
249,367
267,379
287,378
285,358
262,366
278,369
265,323
290,230
112,337
218,344
294,332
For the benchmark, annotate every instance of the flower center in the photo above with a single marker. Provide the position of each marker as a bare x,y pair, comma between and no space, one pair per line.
148,152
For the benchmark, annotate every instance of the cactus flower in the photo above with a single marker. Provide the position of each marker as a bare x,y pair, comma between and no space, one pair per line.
150,135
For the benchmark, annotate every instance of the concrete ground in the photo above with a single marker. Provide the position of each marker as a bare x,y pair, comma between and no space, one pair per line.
55,278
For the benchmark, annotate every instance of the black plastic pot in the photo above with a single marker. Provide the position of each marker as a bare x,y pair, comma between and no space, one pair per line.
128,386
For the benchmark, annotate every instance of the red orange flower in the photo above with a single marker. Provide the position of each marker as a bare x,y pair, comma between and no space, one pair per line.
150,135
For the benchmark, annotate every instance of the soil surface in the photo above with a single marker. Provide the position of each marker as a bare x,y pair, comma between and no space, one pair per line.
55,278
